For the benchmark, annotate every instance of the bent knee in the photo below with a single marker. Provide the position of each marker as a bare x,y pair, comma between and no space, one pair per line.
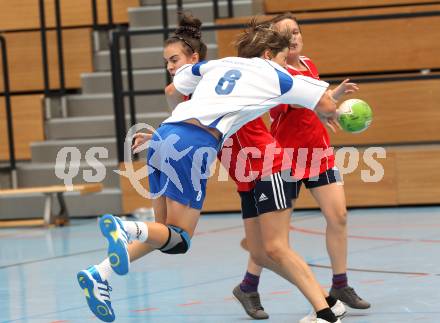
260,258
275,251
179,241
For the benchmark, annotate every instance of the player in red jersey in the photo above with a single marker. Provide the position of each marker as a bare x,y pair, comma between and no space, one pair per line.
254,160
303,131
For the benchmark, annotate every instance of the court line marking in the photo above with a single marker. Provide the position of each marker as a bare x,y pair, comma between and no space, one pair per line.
30,262
378,271
201,233
351,236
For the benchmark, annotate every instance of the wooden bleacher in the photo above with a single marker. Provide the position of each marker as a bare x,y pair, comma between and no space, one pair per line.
24,14
27,115
19,23
279,6
50,193
25,61
362,46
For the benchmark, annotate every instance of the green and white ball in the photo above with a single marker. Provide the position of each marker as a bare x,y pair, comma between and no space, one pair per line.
354,115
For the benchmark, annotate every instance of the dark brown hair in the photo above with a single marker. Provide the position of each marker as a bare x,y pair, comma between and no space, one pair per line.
259,37
189,35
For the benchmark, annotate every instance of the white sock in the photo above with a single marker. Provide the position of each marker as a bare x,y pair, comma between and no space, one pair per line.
137,230
104,269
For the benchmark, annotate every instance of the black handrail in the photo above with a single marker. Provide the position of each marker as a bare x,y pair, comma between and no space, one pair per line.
130,80
46,79
59,33
118,97
7,94
165,24
94,14
59,39
216,9
179,4
230,9
110,14
60,55
95,19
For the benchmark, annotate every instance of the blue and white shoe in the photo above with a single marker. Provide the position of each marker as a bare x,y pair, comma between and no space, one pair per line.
112,228
97,292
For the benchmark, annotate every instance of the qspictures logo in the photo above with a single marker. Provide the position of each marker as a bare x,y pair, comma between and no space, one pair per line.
163,153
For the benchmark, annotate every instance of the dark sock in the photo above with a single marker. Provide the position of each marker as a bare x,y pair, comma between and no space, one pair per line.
326,314
340,281
249,283
331,301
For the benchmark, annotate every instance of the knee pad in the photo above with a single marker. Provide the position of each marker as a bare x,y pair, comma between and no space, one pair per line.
178,241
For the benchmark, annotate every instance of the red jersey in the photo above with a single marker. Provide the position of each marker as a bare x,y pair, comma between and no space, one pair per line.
251,153
301,128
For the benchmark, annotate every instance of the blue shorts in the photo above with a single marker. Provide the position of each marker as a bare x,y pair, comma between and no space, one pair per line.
178,160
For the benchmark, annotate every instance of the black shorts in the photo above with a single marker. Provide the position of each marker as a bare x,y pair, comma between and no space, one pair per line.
330,176
270,194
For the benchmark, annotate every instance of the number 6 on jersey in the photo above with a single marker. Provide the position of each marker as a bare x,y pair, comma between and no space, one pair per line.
227,83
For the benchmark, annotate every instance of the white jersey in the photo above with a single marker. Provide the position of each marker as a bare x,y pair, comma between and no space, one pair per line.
229,92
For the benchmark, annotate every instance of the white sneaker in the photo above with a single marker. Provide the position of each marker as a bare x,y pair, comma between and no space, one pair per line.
97,293
338,309
315,320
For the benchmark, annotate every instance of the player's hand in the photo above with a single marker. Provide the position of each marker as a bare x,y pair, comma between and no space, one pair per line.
346,87
140,139
332,123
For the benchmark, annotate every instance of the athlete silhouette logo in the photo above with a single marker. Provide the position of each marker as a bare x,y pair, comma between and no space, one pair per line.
157,162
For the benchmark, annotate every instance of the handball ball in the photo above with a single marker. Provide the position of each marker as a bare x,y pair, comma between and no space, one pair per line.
354,115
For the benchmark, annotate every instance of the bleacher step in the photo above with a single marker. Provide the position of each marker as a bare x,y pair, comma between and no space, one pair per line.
32,206
142,58
152,15
96,126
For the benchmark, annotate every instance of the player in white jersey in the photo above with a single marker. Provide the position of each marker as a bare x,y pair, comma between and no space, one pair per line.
182,149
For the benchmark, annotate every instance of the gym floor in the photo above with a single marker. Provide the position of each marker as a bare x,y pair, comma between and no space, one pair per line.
393,263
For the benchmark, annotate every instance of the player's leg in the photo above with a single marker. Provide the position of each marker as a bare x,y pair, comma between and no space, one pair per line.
139,249
99,275
172,237
169,238
274,220
247,291
272,252
248,208
179,159
330,196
